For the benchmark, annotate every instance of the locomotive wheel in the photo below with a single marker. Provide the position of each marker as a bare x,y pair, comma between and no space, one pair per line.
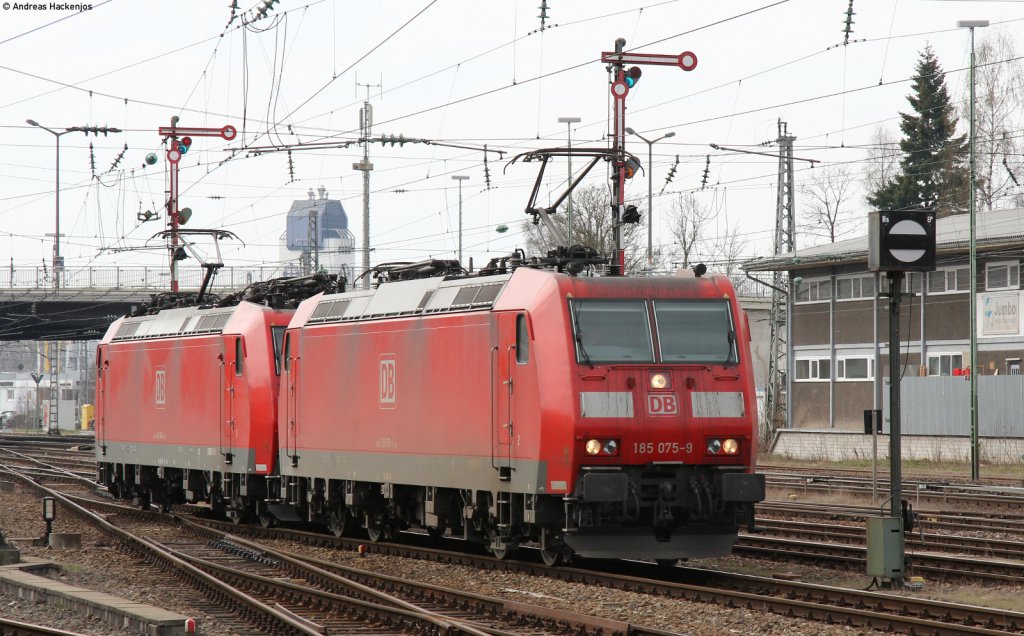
376,533
267,520
339,521
551,558
143,500
436,533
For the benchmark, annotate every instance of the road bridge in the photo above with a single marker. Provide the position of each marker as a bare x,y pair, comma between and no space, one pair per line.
86,300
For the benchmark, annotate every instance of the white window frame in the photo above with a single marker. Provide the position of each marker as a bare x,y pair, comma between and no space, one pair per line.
857,291
951,275
841,369
1012,272
940,355
1010,363
813,286
814,369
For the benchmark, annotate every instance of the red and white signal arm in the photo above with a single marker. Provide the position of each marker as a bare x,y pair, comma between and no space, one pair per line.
901,241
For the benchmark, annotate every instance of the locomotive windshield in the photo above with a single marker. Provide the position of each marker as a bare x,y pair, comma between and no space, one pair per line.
695,331
619,331
611,331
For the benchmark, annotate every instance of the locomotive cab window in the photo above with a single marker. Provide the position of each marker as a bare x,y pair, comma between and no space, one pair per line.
522,340
239,355
696,331
277,336
287,352
611,331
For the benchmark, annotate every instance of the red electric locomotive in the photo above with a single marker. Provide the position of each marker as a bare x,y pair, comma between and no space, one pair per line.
186,399
607,417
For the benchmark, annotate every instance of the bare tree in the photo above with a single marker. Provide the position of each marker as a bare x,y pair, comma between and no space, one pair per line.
999,97
729,249
689,220
883,159
825,197
591,227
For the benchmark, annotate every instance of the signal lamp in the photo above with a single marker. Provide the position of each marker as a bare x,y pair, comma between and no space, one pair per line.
633,76
180,254
184,144
631,215
632,165
151,158
184,214
49,509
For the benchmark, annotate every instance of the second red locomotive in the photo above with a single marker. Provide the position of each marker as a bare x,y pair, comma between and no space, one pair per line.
606,417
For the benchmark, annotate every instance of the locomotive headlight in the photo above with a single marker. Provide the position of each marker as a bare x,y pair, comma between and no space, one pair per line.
593,446
714,446
610,447
659,381
731,446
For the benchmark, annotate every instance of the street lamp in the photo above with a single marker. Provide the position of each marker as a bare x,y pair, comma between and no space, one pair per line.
460,178
58,262
975,469
569,121
650,190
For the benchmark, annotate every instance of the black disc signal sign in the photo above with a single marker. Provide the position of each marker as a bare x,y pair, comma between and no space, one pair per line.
901,241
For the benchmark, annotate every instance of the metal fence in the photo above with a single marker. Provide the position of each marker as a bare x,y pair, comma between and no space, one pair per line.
149,278
941,406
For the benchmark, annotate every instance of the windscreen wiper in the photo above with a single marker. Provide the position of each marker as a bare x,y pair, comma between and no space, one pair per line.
575,309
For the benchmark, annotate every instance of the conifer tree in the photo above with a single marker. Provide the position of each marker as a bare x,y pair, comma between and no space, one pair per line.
933,169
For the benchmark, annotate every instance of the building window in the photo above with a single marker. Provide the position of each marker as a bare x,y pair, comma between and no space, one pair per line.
855,369
10,394
1002,276
813,370
944,363
947,281
814,291
1013,366
911,283
855,288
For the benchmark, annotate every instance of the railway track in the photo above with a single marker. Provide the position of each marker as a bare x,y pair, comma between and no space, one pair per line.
273,591
817,602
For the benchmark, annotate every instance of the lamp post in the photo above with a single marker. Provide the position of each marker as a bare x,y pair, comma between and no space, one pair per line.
460,178
975,469
650,191
569,121
58,263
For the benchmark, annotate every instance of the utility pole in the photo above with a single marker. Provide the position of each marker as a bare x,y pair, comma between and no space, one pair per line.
975,463
569,121
779,324
58,261
460,178
364,166
650,192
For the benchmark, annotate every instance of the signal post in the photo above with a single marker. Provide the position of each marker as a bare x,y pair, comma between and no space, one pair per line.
181,141
622,80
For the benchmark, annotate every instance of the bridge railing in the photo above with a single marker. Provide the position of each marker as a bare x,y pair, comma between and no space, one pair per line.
141,277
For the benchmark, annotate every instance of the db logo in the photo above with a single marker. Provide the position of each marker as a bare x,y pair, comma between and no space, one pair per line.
160,387
663,404
388,388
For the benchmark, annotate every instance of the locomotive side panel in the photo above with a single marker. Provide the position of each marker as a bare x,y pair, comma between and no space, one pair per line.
408,401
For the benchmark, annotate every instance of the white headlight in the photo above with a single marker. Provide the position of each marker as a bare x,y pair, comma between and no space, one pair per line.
731,446
593,446
659,381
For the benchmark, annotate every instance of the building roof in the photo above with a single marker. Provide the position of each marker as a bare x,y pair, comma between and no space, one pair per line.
994,230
